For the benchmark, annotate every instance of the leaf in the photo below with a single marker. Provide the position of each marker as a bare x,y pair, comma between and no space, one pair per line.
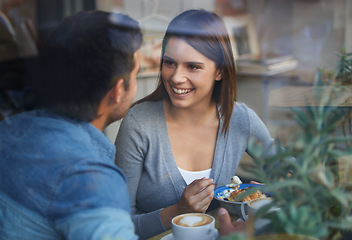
338,139
301,118
248,192
283,184
340,196
344,224
318,78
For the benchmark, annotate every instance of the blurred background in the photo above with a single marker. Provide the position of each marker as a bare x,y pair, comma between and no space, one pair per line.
298,36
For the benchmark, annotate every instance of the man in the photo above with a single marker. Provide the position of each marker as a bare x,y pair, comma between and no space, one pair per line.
57,173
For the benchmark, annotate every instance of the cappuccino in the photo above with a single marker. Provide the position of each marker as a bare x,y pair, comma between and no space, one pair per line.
195,226
192,220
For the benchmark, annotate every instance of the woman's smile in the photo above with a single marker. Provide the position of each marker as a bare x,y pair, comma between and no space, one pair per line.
181,91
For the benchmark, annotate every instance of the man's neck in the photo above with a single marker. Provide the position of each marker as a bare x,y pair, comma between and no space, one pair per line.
99,123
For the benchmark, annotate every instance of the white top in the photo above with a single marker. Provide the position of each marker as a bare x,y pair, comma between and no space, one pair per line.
190,176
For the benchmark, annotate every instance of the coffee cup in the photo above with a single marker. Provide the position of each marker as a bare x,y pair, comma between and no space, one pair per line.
252,208
194,226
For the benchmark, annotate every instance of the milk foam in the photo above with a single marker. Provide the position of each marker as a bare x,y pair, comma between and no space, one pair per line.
190,220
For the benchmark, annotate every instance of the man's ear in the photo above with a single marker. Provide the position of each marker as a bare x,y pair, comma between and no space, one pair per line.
118,90
218,75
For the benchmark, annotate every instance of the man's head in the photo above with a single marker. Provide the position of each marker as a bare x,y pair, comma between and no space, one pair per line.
84,57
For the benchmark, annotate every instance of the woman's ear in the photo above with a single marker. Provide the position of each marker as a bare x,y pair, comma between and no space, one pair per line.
218,75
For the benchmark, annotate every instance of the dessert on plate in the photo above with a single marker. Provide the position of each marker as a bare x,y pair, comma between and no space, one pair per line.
233,190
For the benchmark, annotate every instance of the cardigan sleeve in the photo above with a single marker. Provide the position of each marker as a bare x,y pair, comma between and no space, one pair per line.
261,133
131,149
258,130
129,155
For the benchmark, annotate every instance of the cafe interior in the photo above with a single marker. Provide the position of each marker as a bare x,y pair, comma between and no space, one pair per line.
293,60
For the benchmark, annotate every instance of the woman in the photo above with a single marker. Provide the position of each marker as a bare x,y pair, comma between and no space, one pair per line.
189,134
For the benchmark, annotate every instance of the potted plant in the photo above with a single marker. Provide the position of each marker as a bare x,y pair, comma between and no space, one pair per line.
313,201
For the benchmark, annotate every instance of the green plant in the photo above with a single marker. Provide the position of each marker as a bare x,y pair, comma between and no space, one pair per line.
235,236
312,199
343,70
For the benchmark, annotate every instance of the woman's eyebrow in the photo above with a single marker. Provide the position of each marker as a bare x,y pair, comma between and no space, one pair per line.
168,58
195,63
190,62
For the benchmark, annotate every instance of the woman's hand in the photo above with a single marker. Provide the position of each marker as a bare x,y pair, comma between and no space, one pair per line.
197,196
254,182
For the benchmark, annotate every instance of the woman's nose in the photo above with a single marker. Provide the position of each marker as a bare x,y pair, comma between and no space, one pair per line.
179,75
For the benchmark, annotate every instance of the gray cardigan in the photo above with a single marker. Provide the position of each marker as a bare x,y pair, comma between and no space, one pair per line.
154,181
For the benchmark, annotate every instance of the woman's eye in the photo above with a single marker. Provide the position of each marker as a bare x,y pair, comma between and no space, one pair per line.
169,63
193,67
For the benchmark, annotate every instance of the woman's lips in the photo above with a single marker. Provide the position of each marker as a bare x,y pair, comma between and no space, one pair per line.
181,90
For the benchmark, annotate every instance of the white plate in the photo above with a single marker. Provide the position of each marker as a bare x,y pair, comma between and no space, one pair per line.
168,237
240,219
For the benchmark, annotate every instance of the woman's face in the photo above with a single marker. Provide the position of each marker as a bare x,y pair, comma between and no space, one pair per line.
188,76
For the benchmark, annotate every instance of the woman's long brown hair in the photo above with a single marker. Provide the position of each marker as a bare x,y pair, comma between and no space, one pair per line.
206,32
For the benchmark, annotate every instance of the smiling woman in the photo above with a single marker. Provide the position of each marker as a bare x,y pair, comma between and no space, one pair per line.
188,77
190,134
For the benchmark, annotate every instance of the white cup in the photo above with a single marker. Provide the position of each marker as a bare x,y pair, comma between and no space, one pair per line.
252,208
194,226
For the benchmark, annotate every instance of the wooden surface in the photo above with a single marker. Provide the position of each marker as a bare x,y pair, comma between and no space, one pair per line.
303,96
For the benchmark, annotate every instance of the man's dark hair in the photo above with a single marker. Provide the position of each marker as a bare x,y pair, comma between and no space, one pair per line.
83,58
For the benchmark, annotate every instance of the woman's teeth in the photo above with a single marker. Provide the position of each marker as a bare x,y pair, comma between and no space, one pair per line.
181,91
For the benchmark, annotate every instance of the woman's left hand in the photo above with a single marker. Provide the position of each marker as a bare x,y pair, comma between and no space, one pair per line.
254,182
